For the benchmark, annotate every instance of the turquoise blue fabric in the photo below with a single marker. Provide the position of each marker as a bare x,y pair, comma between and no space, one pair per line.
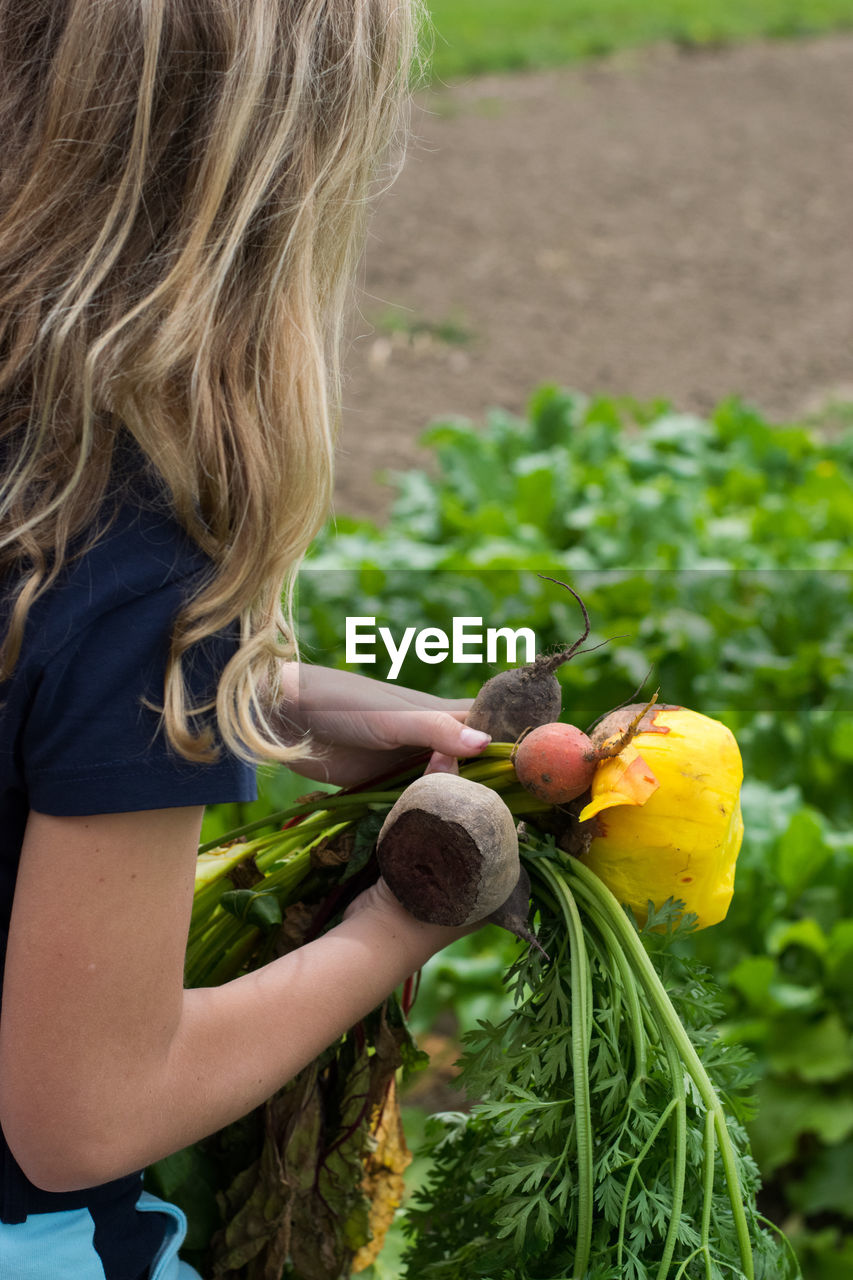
167,1265
60,1246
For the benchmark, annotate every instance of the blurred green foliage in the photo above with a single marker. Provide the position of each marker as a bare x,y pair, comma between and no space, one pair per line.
474,36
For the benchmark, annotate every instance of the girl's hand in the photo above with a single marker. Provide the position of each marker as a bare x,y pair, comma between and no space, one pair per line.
379,902
359,727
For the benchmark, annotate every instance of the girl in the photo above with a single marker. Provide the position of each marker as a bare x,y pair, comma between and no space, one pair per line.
182,193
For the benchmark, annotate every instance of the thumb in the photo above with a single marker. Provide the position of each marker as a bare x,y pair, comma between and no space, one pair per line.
439,763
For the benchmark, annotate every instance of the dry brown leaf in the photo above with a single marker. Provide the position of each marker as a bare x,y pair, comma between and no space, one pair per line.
334,852
383,1180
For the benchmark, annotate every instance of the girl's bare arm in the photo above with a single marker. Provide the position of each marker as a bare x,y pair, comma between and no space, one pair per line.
106,1062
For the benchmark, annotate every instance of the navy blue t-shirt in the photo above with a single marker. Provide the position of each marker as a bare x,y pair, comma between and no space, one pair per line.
77,738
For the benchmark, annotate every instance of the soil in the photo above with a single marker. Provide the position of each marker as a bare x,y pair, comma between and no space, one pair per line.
664,224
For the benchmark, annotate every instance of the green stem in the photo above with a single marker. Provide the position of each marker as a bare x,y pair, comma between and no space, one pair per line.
205,902
497,751
290,872
300,839
635,1168
207,952
636,1019
617,954
628,988
679,1176
671,1023
272,820
334,801
682,1270
221,931
581,1014
771,1226
488,771
230,964
519,801
708,1189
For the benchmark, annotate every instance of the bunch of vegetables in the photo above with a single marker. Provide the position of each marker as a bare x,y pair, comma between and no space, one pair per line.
607,1139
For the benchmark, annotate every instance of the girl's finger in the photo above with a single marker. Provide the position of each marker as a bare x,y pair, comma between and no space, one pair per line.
439,763
438,730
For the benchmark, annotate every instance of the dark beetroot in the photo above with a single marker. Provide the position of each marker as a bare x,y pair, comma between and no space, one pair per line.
449,850
514,701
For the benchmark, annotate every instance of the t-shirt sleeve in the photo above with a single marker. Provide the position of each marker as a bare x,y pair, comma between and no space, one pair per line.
92,745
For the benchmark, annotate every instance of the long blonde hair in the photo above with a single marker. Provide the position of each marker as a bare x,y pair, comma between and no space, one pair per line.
182,198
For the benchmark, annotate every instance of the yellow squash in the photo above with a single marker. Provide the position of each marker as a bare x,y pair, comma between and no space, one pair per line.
667,816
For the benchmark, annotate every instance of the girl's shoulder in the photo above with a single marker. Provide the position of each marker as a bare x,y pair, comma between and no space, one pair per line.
80,729
140,560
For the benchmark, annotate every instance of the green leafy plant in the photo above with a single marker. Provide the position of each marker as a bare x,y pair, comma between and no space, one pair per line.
594,1100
